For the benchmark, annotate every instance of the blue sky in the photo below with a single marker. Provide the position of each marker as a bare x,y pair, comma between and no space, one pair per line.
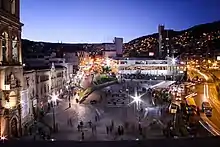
92,21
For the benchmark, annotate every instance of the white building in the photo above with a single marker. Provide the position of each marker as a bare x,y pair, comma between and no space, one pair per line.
40,84
146,66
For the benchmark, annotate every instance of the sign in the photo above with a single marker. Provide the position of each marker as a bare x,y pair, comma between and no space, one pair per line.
24,104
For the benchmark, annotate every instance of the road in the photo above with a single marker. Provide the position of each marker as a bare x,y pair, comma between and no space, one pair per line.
206,91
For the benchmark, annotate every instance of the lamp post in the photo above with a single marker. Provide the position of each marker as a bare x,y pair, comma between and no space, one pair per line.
137,100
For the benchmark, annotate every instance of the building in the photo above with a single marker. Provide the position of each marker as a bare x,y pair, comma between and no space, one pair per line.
147,66
113,49
164,46
41,83
73,56
11,70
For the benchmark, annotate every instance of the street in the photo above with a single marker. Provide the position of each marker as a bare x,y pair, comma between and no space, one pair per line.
206,91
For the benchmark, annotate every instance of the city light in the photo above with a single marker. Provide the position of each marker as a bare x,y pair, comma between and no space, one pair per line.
54,97
173,61
3,138
136,99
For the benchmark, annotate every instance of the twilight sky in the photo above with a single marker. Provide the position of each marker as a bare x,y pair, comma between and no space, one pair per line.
91,21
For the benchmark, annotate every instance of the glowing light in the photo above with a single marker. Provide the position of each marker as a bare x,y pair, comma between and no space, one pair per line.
173,61
54,97
3,138
136,99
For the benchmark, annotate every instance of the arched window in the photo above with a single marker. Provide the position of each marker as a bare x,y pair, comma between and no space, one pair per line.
14,49
4,46
13,7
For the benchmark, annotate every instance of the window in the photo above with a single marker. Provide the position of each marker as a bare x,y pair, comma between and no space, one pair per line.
14,49
13,7
4,46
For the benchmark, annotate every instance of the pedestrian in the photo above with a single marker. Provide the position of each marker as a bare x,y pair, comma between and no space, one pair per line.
30,130
110,129
96,119
90,123
107,129
112,124
92,130
78,127
48,107
119,130
83,135
81,123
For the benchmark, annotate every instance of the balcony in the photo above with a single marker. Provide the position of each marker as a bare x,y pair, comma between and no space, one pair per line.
12,84
11,63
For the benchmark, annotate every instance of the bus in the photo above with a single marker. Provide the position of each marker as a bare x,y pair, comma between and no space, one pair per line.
191,107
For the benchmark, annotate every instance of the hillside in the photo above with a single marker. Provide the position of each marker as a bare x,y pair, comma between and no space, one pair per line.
196,39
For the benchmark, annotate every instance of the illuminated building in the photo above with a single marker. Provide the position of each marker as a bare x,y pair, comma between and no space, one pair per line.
146,66
11,69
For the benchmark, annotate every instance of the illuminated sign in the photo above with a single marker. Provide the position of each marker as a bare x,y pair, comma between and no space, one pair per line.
218,57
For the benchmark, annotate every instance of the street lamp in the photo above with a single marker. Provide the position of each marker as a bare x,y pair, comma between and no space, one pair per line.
54,99
137,100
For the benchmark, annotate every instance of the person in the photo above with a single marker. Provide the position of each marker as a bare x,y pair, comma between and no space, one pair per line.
112,124
119,130
107,129
81,123
83,135
122,130
30,130
90,123
71,124
78,127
